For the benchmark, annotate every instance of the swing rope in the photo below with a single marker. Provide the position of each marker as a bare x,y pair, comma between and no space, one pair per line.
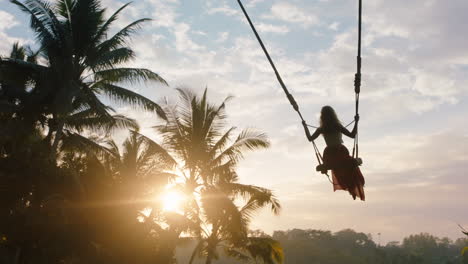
278,76
292,101
357,82
280,80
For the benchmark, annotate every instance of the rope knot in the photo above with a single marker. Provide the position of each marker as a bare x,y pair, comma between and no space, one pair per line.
293,102
357,83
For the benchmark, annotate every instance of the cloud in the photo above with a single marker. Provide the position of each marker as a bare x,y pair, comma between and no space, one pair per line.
183,42
290,13
334,26
389,71
165,14
223,7
7,22
253,3
435,84
262,27
412,185
432,28
225,10
222,37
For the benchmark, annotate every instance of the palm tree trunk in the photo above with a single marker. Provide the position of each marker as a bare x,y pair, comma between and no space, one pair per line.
212,244
209,258
194,253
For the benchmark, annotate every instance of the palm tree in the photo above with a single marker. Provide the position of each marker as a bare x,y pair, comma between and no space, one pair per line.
141,165
16,113
24,119
265,249
465,249
81,62
228,228
196,136
127,184
52,96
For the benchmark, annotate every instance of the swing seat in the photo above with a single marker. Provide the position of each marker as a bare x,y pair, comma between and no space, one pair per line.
324,168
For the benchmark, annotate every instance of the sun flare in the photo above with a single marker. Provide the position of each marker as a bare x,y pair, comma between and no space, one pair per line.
172,201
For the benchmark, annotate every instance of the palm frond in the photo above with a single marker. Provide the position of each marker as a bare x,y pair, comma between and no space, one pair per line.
87,97
218,116
64,8
105,27
464,231
180,223
251,140
43,20
266,249
254,194
84,20
174,134
131,148
221,143
220,174
123,122
248,211
17,75
112,58
31,55
237,254
112,147
17,52
156,149
219,208
121,95
88,120
130,75
22,65
72,142
247,140
120,38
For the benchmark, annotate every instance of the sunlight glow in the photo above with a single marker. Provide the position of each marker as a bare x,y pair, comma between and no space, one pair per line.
172,201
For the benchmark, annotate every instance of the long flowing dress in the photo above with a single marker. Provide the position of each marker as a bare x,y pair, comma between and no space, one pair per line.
344,176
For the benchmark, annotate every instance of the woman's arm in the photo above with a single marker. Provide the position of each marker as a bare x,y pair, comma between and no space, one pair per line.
313,136
353,133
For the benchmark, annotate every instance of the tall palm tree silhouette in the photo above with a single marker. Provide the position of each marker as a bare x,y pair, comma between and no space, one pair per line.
207,151
81,64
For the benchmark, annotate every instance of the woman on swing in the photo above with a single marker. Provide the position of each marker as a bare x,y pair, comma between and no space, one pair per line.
346,174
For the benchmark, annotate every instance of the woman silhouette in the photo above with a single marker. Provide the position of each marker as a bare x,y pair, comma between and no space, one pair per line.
346,174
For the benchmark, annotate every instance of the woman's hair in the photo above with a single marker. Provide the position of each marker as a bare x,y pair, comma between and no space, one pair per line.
329,121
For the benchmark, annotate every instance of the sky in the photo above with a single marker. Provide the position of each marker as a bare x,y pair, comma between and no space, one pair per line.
413,133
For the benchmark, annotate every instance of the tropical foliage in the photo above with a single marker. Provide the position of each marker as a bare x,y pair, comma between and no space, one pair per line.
465,249
208,152
79,63
70,193
349,246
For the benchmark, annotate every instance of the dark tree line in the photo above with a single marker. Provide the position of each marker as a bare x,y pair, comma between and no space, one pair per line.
349,246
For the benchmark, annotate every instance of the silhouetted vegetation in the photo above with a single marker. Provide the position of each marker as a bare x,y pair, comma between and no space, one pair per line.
70,194
348,246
